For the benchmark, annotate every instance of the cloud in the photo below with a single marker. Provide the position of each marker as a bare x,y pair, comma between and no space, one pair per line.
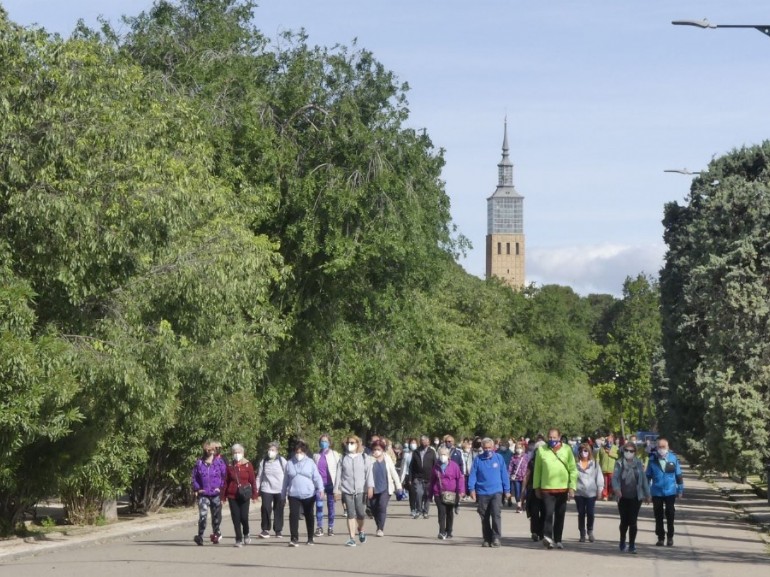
589,269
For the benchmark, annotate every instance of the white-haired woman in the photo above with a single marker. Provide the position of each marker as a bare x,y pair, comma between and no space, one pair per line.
240,490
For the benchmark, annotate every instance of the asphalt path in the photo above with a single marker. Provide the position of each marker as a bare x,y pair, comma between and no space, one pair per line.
711,541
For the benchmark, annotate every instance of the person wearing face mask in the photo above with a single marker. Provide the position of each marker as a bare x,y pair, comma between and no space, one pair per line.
208,482
488,482
517,469
666,486
410,446
631,488
446,477
607,456
423,461
590,483
326,460
386,482
554,481
355,483
468,456
505,450
240,489
270,480
301,486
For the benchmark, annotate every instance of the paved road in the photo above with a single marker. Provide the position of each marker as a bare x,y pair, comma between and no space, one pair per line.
711,542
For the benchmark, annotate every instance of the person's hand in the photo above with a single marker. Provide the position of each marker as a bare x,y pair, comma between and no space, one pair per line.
507,495
618,493
539,493
679,496
647,500
570,494
337,496
320,494
370,493
473,495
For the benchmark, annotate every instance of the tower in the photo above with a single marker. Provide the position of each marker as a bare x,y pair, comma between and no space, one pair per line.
505,225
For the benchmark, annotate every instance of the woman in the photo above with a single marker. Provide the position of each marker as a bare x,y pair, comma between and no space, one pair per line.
355,483
301,484
271,475
240,489
517,469
446,477
406,480
208,482
631,489
386,481
590,485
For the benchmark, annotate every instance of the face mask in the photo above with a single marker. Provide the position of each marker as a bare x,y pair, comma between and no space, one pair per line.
448,444
487,453
299,456
552,443
519,450
377,453
352,447
324,445
629,454
413,446
272,454
662,453
608,444
584,454
237,456
444,459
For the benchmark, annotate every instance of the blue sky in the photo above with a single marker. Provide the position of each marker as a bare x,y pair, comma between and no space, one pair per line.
600,97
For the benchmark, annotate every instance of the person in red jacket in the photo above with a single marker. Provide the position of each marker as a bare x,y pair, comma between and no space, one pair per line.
240,489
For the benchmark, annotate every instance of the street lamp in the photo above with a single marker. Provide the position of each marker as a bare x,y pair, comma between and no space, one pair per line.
682,171
763,28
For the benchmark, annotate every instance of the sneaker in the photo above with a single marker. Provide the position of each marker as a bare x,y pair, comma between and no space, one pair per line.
238,544
310,542
495,544
415,514
264,535
448,536
216,538
441,536
293,543
486,544
198,540
278,535
547,542
659,543
319,532
350,542
362,536
559,545
622,546
534,537
632,549
582,538
330,532
670,542
424,515
247,540
591,536
380,533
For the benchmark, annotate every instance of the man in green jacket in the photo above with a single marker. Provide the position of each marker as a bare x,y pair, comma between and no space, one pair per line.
554,481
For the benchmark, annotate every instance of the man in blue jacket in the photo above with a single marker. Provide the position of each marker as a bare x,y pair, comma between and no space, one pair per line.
487,483
666,486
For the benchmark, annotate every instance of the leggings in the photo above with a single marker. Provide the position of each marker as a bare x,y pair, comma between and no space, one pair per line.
629,513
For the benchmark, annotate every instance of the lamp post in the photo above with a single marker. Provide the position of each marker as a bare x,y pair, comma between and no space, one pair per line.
682,171
763,28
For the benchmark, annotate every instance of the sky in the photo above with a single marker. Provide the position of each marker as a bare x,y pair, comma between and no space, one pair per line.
600,97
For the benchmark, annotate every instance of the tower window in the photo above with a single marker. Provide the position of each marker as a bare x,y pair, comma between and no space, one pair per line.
499,248
507,248
517,249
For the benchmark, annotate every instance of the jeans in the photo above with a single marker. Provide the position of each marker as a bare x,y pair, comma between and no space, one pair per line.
204,504
658,505
555,509
516,489
585,508
306,505
239,513
379,506
446,516
422,502
272,506
319,507
488,507
629,513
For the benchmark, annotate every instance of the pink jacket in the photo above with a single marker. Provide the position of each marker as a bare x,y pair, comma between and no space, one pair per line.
451,479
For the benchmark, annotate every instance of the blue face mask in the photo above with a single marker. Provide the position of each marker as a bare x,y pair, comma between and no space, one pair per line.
487,453
552,443
324,445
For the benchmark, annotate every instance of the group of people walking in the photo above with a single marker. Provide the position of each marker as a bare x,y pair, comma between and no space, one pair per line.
538,476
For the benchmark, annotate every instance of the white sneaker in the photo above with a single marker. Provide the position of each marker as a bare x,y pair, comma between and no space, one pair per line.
380,533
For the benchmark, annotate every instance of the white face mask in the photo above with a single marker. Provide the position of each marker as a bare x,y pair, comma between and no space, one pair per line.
352,447
662,453
272,454
377,453
299,456
444,458
629,454
519,450
413,446
237,456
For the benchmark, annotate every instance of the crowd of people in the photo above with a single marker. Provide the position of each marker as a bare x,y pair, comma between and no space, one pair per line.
538,476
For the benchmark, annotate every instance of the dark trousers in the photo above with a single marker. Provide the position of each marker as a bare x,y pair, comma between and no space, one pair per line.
446,516
629,513
536,512
272,506
412,497
658,505
306,506
214,504
585,507
489,507
379,506
422,501
239,513
555,505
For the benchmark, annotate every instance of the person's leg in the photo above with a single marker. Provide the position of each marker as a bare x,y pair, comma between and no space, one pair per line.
412,498
607,491
633,516
590,516
307,507
549,508
419,494
382,510
203,513
266,512
580,504
294,507
516,486
330,512
216,514
657,508
425,499
494,518
235,515
441,511
360,513
560,511
449,523
319,510
670,513
623,527
482,506
278,508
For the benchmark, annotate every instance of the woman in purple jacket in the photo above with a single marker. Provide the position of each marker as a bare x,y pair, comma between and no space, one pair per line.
445,477
517,469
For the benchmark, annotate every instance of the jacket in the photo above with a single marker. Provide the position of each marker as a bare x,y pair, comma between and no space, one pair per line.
271,475
394,481
210,478
450,479
665,481
590,481
422,464
332,458
555,470
642,486
241,473
607,459
517,468
489,475
354,474
302,479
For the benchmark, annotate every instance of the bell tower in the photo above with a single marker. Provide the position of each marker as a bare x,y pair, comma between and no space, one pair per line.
505,225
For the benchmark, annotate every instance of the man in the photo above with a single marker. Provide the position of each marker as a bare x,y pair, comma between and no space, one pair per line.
606,457
666,486
420,467
554,481
488,482
326,460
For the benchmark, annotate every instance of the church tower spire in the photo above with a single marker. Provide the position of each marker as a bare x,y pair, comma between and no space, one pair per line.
505,224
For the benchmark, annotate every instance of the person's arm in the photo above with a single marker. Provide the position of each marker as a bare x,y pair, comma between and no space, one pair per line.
505,477
679,479
616,479
472,479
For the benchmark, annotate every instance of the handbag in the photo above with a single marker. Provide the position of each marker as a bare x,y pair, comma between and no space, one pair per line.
447,497
243,492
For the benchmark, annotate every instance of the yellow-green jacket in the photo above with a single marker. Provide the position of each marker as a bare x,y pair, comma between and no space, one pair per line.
555,470
607,459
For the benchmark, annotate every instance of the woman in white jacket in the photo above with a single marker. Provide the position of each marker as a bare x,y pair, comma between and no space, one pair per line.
386,482
590,484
